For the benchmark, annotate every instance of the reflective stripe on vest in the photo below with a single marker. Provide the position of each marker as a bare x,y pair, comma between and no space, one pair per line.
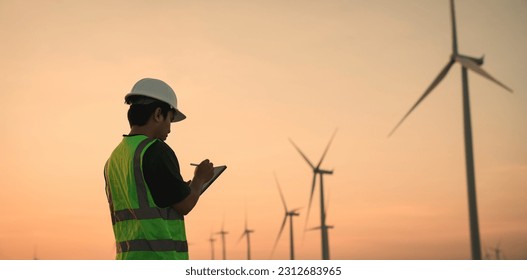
152,245
138,173
146,212
143,214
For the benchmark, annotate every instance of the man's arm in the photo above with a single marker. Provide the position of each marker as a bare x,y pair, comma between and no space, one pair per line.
202,174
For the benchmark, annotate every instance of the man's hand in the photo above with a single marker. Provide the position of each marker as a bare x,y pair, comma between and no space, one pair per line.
203,172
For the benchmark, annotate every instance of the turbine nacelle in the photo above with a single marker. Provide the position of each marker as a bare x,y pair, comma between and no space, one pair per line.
322,171
478,61
292,213
460,57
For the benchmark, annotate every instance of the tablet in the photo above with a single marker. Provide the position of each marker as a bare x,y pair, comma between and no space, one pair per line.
217,172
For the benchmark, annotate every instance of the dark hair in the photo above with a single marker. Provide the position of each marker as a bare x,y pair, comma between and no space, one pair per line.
138,114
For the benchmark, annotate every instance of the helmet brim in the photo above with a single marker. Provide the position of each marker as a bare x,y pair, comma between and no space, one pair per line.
178,116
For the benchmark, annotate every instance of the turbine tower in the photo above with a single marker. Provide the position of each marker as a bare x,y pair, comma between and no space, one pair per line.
318,171
223,233
326,215
473,64
247,232
35,253
288,214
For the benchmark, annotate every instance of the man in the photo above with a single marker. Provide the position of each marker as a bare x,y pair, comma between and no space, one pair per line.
146,192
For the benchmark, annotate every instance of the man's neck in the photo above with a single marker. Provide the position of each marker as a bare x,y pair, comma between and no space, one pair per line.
141,130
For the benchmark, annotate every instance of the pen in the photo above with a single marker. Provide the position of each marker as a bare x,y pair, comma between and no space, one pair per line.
193,164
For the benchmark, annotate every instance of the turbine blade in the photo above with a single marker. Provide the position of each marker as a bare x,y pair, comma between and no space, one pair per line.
311,197
279,233
327,148
281,194
454,33
245,218
296,209
241,237
437,80
313,228
472,65
302,154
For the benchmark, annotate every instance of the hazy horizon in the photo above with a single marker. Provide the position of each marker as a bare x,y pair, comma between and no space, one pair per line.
250,75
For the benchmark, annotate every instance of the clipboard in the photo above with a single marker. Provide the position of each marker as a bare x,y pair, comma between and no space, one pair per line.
217,172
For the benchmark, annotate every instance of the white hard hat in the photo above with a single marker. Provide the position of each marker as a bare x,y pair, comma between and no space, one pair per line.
159,90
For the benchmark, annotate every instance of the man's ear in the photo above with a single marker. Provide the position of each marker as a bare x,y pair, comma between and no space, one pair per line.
158,115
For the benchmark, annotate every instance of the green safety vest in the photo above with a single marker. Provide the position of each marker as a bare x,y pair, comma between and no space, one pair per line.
142,230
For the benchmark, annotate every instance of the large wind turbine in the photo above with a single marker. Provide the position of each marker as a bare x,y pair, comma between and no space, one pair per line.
473,64
247,232
288,214
318,171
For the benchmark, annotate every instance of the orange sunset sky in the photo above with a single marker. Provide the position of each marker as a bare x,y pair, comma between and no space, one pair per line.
249,75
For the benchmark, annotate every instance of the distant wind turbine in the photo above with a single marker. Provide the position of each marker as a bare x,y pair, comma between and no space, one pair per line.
497,251
487,254
288,214
222,232
247,232
35,253
318,171
211,240
473,64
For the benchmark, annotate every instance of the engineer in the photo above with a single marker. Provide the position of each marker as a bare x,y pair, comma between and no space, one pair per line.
147,195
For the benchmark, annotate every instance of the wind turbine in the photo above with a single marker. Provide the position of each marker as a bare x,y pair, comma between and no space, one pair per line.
487,254
473,64
211,240
247,232
497,251
223,233
35,253
288,214
318,171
